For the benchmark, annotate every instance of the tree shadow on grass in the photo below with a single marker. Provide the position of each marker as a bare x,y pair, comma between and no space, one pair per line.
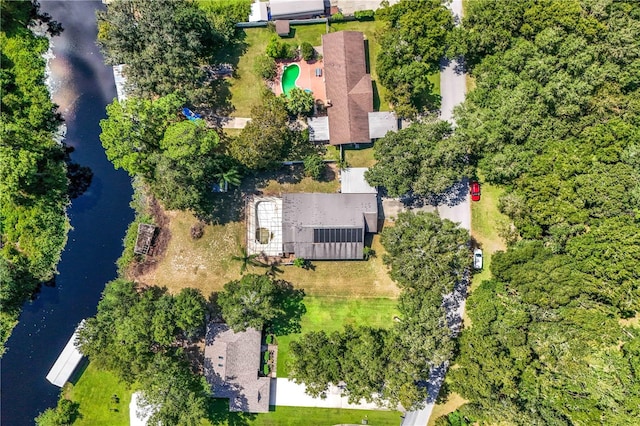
218,413
290,300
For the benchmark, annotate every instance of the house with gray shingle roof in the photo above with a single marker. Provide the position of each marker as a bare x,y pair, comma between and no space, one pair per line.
232,364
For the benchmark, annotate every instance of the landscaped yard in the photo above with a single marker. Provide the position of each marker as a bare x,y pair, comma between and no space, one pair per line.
296,416
246,85
94,391
207,264
332,314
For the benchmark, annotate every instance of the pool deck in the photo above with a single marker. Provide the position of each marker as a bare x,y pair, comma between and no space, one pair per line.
306,80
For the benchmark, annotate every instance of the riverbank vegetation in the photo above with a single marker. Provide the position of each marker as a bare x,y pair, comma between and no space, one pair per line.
554,120
33,175
149,337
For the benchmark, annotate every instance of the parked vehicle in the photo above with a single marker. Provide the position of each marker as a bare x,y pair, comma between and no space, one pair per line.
477,259
474,190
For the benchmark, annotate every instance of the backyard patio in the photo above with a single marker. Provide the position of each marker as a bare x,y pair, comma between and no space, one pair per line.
311,78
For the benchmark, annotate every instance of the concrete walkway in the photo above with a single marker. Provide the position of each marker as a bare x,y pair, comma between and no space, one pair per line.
285,392
233,122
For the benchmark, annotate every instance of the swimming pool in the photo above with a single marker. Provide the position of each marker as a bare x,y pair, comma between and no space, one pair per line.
289,77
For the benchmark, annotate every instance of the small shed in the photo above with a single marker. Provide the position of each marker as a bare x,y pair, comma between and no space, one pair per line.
318,129
282,28
144,239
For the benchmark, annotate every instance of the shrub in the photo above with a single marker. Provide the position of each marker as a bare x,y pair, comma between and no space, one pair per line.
313,166
265,370
338,17
278,49
364,15
299,262
299,102
307,50
197,230
265,67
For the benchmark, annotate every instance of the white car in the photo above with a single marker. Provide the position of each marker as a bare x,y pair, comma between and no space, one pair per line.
477,259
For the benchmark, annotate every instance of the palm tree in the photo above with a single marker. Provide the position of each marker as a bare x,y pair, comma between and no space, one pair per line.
247,260
225,178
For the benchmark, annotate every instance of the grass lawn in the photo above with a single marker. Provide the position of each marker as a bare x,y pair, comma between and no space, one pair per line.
246,84
332,314
93,391
207,264
296,416
362,157
452,403
485,222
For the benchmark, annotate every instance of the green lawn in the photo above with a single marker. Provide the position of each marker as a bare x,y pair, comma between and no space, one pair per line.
486,220
360,157
94,390
332,314
246,84
296,416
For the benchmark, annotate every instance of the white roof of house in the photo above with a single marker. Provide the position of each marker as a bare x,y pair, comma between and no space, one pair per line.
381,122
318,129
67,362
352,181
259,12
295,7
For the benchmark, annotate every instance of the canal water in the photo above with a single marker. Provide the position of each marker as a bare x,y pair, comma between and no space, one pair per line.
83,86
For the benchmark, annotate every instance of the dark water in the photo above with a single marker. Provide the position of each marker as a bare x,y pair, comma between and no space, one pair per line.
99,218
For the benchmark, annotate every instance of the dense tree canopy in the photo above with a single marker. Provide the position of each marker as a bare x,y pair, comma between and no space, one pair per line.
166,46
178,159
412,42
33,181
260,301
266,139
423,159
555,119
133,326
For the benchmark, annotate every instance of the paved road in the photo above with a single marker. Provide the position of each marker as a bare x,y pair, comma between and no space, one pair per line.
457,208
452,80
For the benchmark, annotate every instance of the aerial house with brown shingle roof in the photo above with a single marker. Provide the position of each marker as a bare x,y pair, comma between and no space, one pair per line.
348,85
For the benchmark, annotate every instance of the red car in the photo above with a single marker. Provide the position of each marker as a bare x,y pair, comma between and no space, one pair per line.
474,190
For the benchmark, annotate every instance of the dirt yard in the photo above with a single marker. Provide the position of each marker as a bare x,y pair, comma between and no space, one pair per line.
207,263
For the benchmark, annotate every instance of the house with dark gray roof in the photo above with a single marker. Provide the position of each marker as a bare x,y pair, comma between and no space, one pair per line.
232,364
319,226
